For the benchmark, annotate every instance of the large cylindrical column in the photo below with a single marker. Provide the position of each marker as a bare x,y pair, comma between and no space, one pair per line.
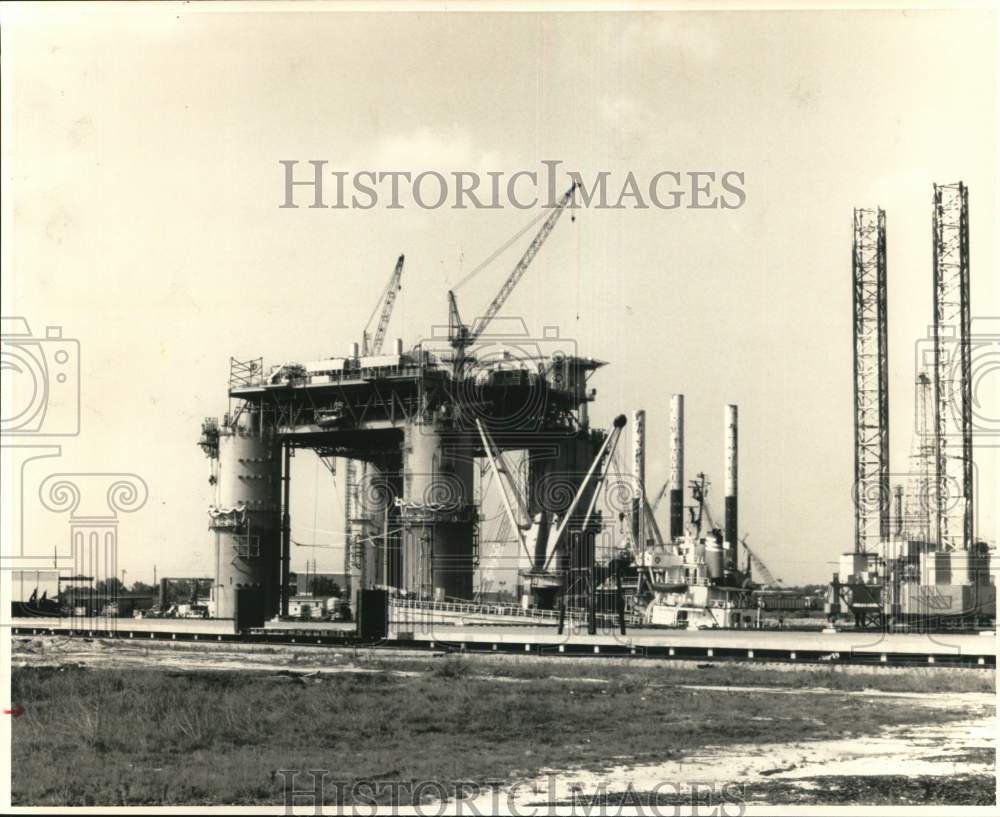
438,515
368,563
677,466
246,517
358,532
731,529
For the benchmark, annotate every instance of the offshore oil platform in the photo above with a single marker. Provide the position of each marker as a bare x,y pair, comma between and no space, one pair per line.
408,428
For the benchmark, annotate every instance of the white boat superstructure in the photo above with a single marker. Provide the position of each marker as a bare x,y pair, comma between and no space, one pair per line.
687,586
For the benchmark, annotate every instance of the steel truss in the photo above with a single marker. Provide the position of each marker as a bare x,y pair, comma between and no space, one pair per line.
953,515
872,497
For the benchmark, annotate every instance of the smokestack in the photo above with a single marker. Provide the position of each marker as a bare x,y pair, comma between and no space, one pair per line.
639,473
677,466
399,347
731,531
355,351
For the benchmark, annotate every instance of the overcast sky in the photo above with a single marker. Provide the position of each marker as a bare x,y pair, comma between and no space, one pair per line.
141,213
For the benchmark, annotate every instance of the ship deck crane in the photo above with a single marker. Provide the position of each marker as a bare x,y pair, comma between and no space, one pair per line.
513,500
532,534
755,564
372,345
756,567
461,336
659,496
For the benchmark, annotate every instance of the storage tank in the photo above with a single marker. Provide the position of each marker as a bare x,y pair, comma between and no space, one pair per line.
245,518
714,557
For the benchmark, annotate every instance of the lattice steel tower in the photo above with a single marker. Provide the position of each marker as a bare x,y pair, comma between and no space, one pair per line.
952,369
872,498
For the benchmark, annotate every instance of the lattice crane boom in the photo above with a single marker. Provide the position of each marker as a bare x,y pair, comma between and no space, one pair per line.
388,301
758,567
659,496
462,336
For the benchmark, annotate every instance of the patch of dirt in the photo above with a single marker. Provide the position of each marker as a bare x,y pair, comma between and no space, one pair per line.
906,764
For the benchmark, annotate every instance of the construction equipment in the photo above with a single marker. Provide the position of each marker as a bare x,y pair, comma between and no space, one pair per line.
757,568
373,345
659,495
177,594
604,456
513,501
461,336
699,511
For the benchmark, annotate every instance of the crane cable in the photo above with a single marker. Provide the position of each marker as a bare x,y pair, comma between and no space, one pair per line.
503,248
314,529
573,215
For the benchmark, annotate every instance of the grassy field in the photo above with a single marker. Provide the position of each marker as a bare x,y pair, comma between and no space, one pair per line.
133,737
723,674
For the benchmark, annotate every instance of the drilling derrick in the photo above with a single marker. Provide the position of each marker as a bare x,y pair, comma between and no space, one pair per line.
952,508
871,389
